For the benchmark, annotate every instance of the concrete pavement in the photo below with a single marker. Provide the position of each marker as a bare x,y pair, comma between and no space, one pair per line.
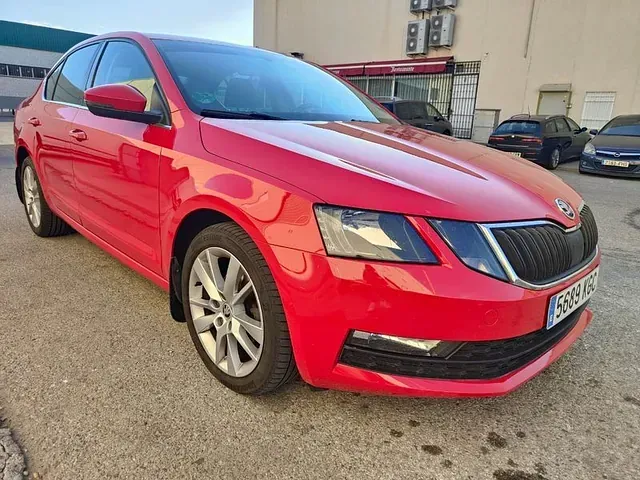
98,382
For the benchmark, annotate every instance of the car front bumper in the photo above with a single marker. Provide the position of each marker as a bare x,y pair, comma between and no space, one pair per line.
593,164
327,298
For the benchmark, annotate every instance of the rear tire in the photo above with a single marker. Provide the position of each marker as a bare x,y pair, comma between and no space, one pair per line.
270,364
42,220
554,158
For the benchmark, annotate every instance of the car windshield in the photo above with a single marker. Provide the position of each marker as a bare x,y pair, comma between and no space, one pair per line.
623,126
223,80
519,127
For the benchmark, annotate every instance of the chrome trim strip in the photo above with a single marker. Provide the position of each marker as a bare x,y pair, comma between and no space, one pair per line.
532,223
487,232
620,154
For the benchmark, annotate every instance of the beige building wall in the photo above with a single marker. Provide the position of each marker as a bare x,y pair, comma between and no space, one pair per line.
594,45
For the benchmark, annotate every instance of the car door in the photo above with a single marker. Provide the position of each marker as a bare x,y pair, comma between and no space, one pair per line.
580,137
62,100
564,137
116,162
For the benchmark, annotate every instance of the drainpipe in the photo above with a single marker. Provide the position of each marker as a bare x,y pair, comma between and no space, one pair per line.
526,46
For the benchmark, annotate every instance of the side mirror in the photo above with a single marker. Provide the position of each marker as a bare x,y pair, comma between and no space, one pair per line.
583,129
120,101
594,131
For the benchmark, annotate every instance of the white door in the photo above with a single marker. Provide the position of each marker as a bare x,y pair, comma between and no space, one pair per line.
553,103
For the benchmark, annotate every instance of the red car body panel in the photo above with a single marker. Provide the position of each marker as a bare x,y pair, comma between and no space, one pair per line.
129,186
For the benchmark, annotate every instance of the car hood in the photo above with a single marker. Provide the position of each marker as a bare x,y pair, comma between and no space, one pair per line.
617,142
392,168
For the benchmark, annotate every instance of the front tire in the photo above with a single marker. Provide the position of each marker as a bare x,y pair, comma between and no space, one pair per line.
42,220
234,312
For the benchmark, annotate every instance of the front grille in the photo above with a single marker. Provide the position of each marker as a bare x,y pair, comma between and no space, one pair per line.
472,361
612,155
543,253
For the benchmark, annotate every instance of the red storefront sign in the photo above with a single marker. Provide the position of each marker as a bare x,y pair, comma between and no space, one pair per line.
398,67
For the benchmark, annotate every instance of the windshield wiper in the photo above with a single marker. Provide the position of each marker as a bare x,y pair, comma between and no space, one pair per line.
238,115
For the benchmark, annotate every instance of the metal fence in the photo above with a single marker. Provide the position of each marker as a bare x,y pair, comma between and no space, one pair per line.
452,92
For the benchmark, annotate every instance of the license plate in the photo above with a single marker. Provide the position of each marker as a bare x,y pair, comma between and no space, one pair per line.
516,154
615,163
569,300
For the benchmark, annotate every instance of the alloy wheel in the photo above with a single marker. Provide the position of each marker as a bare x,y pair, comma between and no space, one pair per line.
31,196
226,312
555,158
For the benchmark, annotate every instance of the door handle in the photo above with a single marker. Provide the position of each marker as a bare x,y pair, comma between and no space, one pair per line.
78,134
34,121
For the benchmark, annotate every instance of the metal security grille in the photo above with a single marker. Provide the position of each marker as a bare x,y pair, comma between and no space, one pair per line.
597,109
452,92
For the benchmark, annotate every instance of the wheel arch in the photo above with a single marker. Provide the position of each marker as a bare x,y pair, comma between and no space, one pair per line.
196,215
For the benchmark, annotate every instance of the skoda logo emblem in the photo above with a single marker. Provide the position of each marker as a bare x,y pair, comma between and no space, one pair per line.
617,154
565,208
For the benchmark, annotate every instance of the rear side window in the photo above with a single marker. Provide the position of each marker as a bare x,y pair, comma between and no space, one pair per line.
124,63
51,83
519,127
72,81
404,111
550,128
562,125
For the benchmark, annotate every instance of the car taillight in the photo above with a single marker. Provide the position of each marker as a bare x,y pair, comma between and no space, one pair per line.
495,139
531,140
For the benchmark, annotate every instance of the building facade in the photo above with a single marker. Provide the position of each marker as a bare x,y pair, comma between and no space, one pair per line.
579,57
27,52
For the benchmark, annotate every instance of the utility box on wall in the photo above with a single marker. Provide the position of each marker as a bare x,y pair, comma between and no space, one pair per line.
417,37
441,30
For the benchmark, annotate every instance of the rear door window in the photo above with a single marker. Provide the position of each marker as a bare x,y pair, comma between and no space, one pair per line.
73,78
519,127
404,111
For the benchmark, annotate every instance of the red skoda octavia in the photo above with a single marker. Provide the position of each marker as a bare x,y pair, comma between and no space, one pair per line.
299,227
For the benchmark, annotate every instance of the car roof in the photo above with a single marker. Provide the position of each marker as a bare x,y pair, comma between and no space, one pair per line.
628,117
161,36
534,118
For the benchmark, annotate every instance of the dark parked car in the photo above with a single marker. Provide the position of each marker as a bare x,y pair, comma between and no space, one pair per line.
547,140
615,150
418,114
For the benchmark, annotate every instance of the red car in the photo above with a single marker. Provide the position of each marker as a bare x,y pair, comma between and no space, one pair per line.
300,227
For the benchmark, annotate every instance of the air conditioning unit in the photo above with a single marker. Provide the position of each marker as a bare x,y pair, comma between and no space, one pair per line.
439,4
441,30
417,37
417,6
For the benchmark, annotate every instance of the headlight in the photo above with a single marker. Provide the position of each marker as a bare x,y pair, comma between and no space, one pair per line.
371,235
589,149
468,243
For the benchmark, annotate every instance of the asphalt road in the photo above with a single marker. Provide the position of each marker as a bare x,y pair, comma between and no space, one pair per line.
97,381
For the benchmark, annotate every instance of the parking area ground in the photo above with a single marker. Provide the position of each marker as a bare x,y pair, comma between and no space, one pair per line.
97,381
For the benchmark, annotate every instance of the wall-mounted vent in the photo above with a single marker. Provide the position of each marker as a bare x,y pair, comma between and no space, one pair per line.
441,30
417,37
439,4
417,6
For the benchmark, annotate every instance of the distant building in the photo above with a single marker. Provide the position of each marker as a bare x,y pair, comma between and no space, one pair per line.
27,52
477,61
